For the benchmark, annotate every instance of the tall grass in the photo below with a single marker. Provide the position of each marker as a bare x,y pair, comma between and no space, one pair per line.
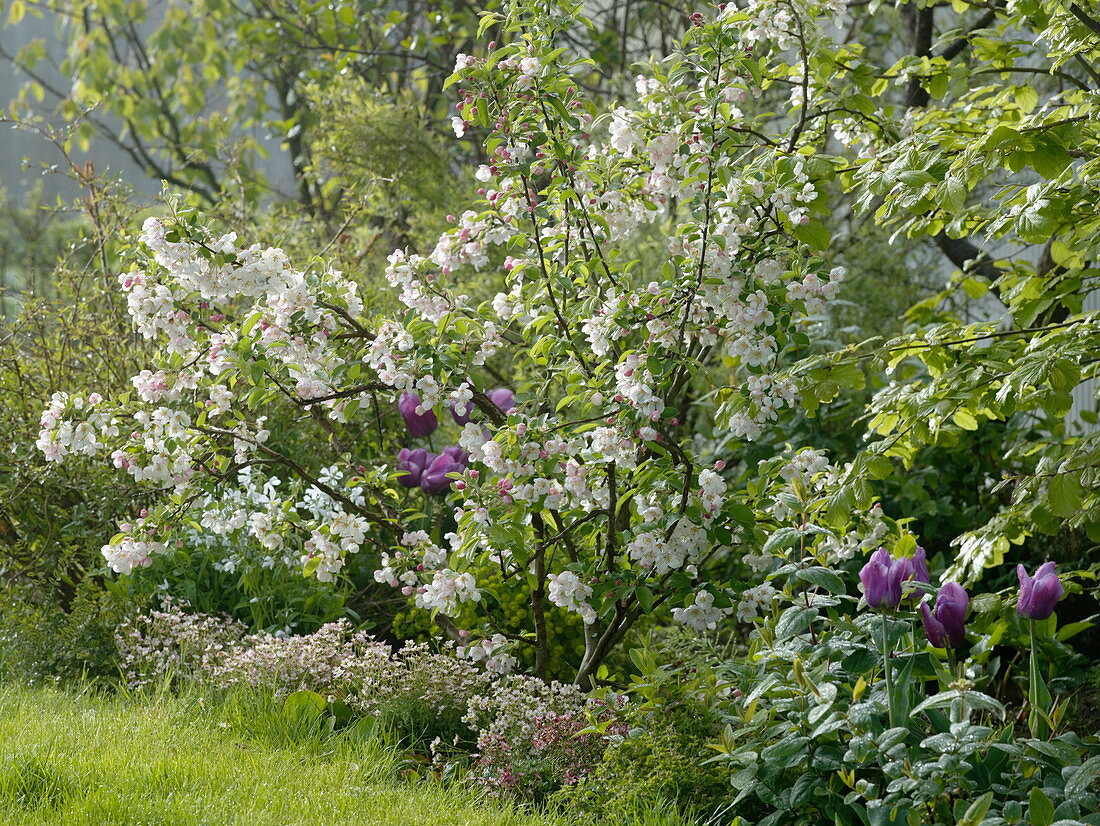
82,757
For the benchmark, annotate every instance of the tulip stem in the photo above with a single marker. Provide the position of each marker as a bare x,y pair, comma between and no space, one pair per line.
886,667
1038,696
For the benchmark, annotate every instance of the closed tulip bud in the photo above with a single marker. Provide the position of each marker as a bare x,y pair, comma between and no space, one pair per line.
1038,594
945,625
881,578
503,398
915,567
437,476
413,462
419,424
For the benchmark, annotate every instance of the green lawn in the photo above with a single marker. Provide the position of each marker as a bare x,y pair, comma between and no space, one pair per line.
85,758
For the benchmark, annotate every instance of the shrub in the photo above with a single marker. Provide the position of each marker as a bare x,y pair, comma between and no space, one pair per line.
661,758
41,642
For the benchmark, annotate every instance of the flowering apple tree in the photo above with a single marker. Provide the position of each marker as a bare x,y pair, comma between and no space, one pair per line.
654,261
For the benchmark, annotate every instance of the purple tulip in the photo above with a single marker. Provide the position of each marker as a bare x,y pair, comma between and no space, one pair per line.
458,454
419,424
502,397
466,417
881,578
915,567
1038,594
435,478
945,625
413,462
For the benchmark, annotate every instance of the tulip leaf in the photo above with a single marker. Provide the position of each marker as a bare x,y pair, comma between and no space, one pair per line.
973,699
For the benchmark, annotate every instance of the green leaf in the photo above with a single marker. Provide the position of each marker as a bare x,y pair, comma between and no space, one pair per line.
965,419
782,538
1027,98
953,197
304,705
937,85
1040,811
972,699
1083,778
16,11
823,578
794,621
975,813
813,233
1064,494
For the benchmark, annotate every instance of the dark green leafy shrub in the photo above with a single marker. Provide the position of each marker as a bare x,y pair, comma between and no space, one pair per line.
40,642
662,760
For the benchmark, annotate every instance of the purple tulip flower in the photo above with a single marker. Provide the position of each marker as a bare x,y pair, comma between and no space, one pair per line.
458,454
435,478
1038,594
881,578
466,417
915,567
945,625
419,424
413,462
502,397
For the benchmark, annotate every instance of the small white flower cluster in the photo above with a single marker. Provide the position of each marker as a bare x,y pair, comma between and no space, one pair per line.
712,491
771,21
766,396
755,600
404,271
490,651
567,591
814,292
633,382
861,539
611,445
446,590
61,436
342,533
129,553
662,552
702,614
806,465
420,558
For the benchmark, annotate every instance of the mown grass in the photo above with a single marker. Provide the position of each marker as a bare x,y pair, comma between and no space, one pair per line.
69,757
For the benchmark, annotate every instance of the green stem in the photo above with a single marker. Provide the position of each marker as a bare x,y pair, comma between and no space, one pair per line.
1038,696
888,673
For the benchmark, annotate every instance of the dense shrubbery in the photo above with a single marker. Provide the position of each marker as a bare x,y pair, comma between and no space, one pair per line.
627,386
